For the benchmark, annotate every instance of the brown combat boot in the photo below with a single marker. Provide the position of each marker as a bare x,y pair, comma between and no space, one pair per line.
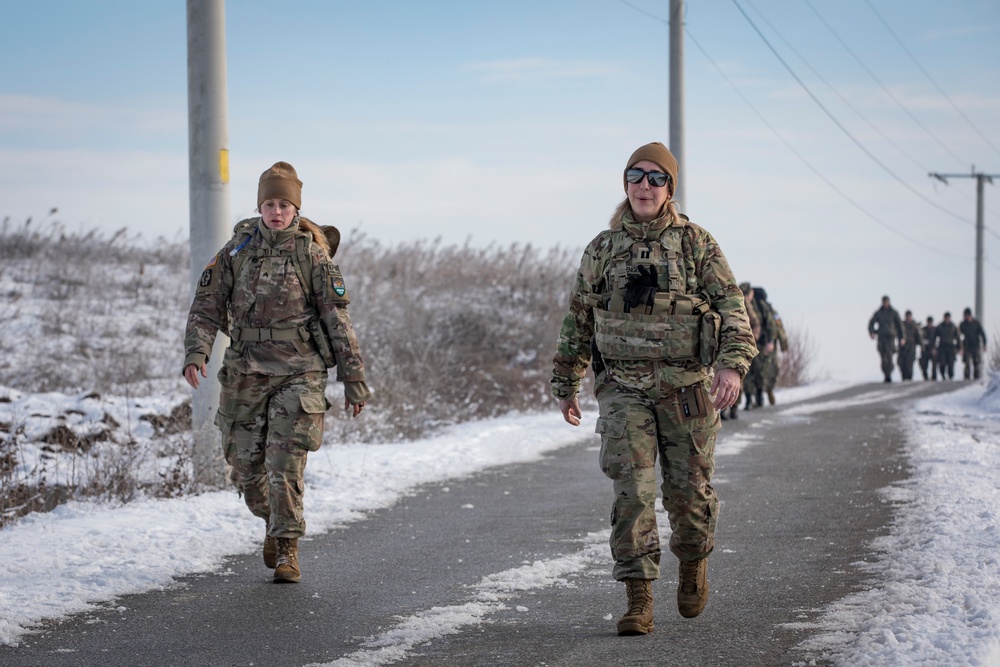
287,566
770,396
692,587
270,551
638,620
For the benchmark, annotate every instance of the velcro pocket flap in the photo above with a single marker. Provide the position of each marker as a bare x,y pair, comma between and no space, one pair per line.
612,428
313,403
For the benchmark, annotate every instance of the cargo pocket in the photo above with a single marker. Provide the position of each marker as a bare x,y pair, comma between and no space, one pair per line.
314,403
309,424
225,424
616,456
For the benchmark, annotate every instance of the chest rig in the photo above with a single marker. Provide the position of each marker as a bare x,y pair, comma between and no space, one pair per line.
671,327
245,257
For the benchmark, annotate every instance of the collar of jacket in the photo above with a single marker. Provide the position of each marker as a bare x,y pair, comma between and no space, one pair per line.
275,238
648,231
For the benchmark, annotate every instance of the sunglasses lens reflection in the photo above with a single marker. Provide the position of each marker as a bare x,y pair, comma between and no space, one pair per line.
634,175
656,178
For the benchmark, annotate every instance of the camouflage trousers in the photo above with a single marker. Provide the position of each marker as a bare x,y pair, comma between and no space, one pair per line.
905,359
886,348
754,379
946,362
635,428
928,362
972,358
769,373
269,425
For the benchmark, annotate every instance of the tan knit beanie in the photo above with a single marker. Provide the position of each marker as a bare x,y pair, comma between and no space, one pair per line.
658,153
280,182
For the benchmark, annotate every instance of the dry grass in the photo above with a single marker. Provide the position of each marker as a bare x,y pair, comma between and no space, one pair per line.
797,362
449,334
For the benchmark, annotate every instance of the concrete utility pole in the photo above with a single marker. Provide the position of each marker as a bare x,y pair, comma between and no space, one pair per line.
677,96
980,177
208,164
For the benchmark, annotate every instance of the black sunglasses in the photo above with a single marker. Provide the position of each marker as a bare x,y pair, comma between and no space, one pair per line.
657,179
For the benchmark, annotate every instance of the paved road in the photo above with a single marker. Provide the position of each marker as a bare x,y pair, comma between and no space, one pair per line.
800,503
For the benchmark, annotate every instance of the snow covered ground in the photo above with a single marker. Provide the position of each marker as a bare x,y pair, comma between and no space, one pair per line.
934,598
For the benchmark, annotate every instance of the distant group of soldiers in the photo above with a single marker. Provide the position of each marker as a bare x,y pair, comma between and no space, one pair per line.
769,332
940,344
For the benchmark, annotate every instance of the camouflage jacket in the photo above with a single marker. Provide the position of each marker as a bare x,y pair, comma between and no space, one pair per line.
269,295
972,334
886,323
947,336
753,316
911,332
928,340
768,327
701,268
779,333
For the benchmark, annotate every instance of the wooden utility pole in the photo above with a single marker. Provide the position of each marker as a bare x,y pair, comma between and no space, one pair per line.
980,178
208,165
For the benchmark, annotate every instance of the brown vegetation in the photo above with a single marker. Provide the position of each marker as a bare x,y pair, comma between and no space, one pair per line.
797,362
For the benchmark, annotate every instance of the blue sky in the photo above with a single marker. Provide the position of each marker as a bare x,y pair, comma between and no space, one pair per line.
511,121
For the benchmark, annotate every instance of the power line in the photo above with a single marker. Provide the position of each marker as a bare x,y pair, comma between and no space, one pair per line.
885,88
840,125
808,164
844,99
794,151
836,92
931,79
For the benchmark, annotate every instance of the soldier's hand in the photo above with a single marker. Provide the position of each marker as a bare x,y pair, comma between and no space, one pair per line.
191,374
725,389
570,408
354,409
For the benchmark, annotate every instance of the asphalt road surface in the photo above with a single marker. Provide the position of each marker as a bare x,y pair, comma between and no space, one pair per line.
800,504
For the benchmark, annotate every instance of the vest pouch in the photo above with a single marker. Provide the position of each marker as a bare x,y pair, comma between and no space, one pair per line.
318,333
711,328
638,336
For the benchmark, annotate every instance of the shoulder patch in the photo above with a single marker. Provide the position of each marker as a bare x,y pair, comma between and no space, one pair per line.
337,283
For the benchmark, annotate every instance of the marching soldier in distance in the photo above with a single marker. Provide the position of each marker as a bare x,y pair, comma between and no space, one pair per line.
948,343
886,325
972,353
908,348
656,297
928,349
772,360
753,386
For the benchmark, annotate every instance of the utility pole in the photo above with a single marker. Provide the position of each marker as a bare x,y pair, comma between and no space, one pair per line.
208,168
677,95
980,178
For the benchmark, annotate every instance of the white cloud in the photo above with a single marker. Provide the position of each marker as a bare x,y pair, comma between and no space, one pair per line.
535,70
44,115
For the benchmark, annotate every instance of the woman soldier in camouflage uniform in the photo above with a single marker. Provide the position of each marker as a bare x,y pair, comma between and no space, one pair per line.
275,291
657,304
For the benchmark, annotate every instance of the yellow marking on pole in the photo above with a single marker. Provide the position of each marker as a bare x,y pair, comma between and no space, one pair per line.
224,165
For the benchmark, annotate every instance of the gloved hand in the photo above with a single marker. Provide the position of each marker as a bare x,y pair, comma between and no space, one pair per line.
356,392
641,288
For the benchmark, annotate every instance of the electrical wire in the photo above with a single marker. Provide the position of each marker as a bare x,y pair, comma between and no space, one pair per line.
847,102
931,79
792,148
841,126
945,147
808,164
